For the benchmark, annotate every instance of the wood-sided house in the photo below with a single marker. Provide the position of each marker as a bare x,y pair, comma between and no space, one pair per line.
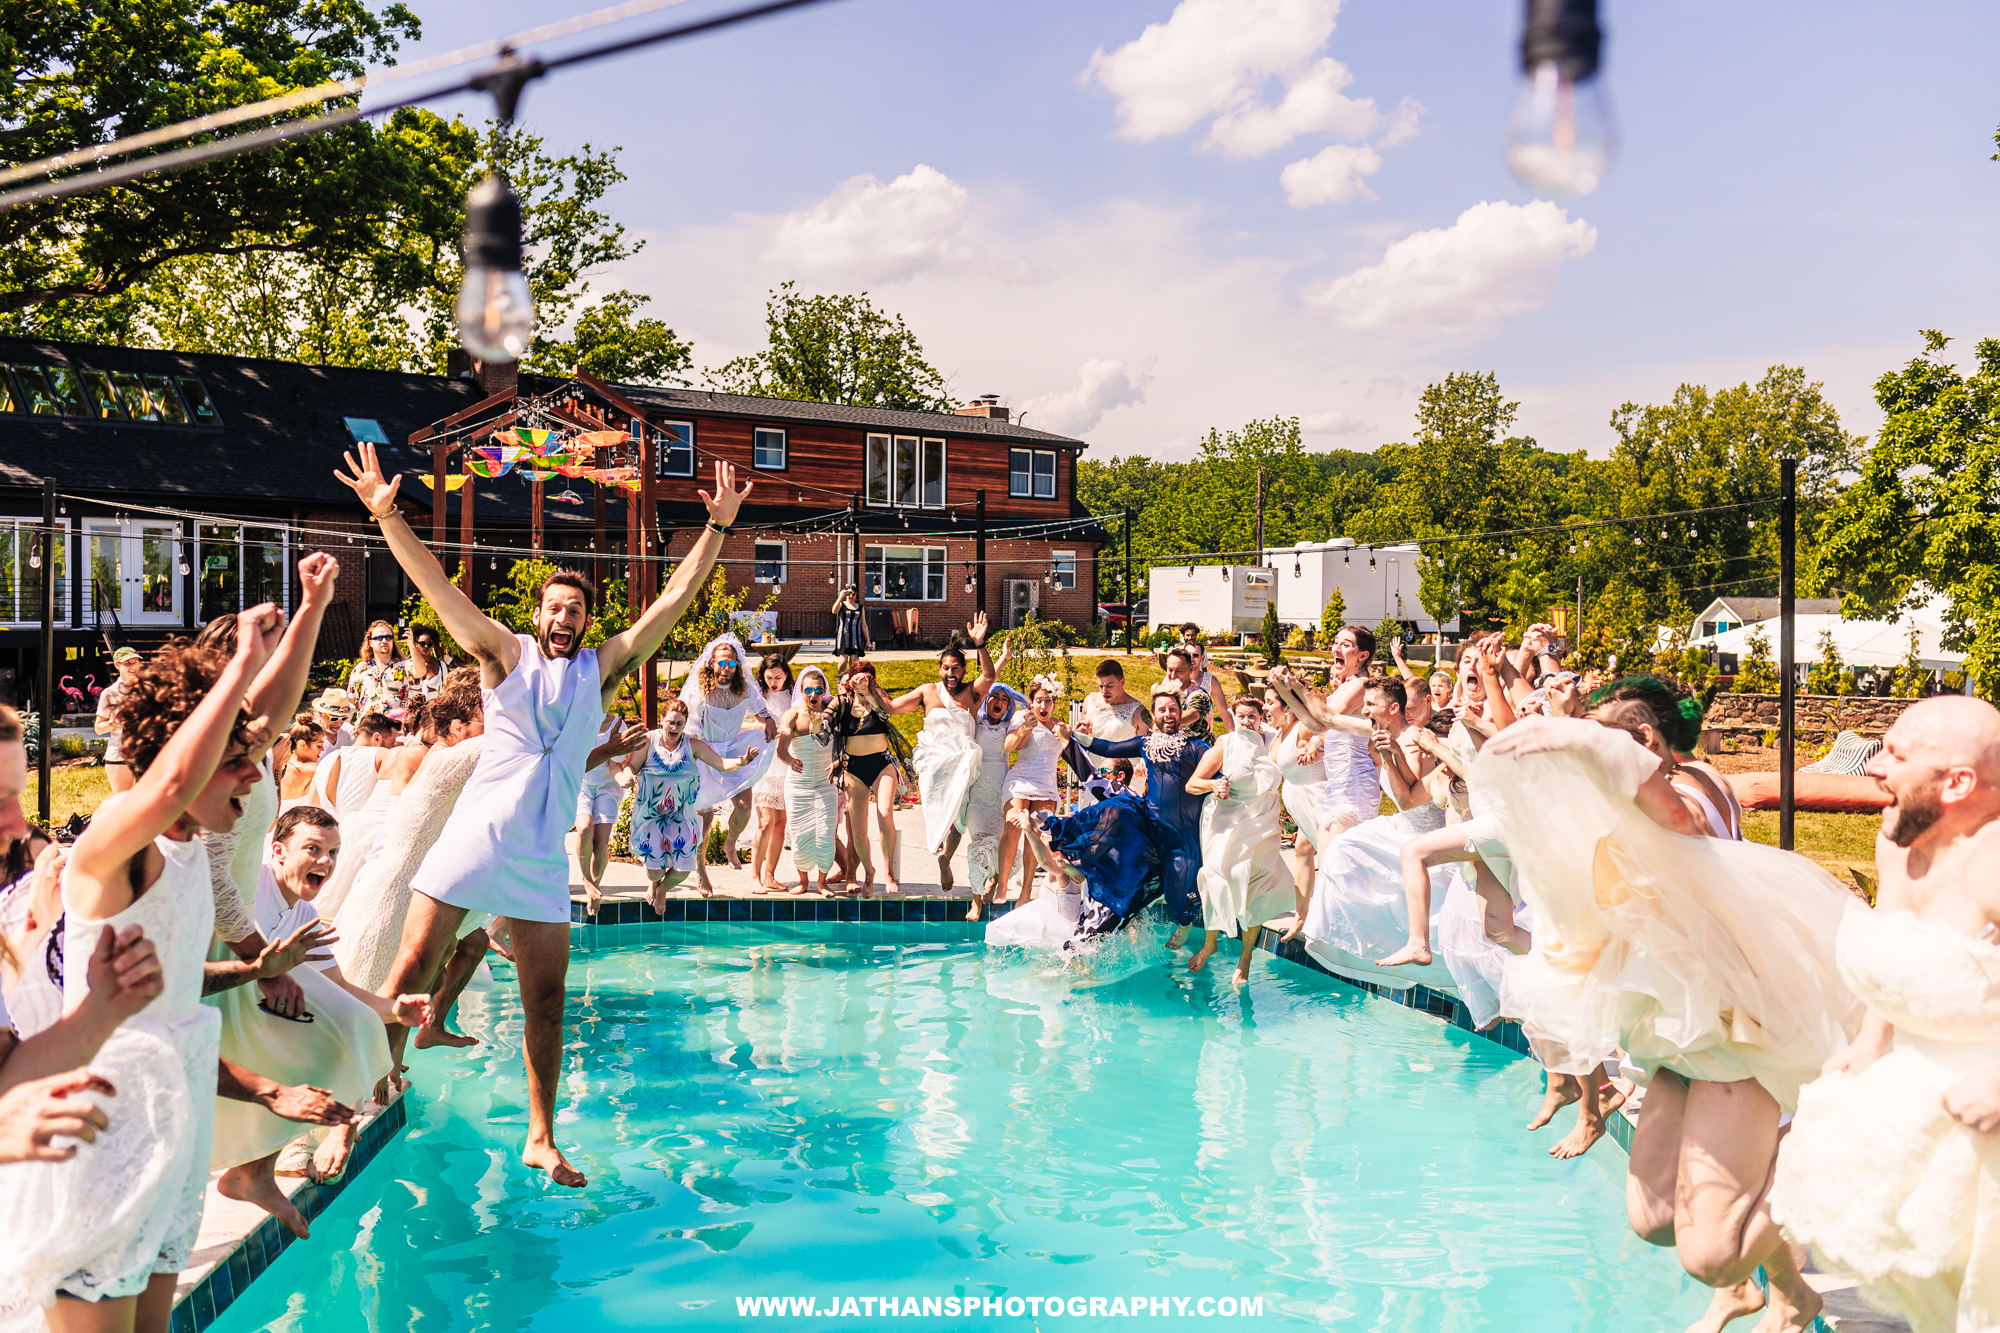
189,485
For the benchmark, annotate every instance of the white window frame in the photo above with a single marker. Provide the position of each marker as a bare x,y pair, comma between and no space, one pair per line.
932,562
203,545
757,562
784,449
1063,570
1034,455
663,439
879,474
11,603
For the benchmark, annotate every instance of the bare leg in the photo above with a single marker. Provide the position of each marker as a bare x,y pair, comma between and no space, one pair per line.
1498,911
151,1311
1010,843
857,829
944,859
1417,901
600,860
429,929
541,953
1589,1127
885,824
1722,1220
1305,868
593,892
1651,1179
119,776
701,856
739,819
770,845
257,1182
456,974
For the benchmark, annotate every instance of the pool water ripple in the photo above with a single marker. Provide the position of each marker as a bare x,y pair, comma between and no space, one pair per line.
771,1116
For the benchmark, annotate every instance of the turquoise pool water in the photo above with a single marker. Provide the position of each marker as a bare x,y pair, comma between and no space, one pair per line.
866,1112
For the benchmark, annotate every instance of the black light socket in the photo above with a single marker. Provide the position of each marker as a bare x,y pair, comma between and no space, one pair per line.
1563,33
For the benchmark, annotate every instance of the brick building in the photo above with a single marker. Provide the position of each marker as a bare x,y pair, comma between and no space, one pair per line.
189,485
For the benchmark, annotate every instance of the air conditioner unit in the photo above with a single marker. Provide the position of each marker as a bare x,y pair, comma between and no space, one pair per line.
1024,598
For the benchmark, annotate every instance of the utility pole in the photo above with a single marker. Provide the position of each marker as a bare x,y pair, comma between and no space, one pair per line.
1788,481
1260,518
1131,602
1578,636
860,569
979,549
48,685
647,515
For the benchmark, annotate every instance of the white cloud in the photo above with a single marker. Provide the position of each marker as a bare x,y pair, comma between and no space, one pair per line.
1213,58
1331,176
1334,422
1102,386
1462,280
1313,104
867,232
1402,125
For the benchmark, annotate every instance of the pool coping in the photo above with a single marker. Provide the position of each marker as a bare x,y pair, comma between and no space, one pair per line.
211,1285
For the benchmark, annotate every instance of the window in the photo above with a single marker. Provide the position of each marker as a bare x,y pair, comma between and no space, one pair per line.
69,393
770,563
365,430
767,448
673,447
1063,569
104,395
905,470
35,394
241,566
21,580
198,405
137,403
905,573
161,390
9,400
1032,472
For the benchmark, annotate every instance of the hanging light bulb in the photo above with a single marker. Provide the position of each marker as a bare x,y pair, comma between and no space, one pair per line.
1190,571
184,566
1225,573
1560,136
1297,572
35,556
829,574
496,312
1371,560
1346,559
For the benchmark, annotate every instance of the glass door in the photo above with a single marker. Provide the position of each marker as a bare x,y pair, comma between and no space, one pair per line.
135,571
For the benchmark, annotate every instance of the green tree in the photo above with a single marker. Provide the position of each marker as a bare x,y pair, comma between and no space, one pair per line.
1911,674
81,75
835,349
1334,616
1828,675
1386,633
610,344
712,615
1270,638
1921,516
1756,672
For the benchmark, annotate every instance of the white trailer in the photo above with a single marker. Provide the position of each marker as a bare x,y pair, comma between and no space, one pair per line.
1221,599
1377,582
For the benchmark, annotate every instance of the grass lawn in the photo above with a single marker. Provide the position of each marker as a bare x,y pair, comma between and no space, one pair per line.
1841,843
72,791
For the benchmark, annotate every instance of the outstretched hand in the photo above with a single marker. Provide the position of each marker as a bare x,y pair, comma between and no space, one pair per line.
303,945
722,505
369,486
975,630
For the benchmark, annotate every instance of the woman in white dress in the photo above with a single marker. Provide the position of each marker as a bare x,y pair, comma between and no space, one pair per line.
767,798
1301,759
985,810
1031,785
118,1223
1242,879
345,786
1353,791
597,805
812,796
666,835
720,694
1708,962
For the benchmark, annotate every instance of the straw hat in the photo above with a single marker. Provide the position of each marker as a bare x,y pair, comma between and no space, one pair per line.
334,703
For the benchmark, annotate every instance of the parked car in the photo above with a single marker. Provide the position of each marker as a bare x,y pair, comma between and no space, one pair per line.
1117,614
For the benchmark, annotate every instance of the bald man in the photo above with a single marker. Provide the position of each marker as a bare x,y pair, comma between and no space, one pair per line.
1861,1160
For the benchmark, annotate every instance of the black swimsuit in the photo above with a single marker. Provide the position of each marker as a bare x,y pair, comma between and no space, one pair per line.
866,767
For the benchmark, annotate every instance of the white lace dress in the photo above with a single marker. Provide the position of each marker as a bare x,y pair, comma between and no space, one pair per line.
1033,777
360,834
371,920
1885,1186
1114,722
769,793
101,1224
1243,880
1305,785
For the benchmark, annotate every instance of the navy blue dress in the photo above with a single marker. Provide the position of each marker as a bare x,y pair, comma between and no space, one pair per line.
1108,844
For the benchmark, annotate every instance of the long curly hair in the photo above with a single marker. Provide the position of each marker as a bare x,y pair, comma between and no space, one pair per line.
710,677
166,690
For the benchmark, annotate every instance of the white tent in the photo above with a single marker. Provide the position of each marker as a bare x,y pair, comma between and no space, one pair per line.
1861,643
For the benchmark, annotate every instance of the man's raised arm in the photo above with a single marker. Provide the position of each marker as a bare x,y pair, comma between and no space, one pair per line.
623,652
478,633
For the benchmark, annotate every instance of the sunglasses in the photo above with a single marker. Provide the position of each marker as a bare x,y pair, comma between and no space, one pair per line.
381,638
810,690
427,643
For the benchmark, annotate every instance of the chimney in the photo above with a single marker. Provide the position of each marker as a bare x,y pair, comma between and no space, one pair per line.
496,378
985,405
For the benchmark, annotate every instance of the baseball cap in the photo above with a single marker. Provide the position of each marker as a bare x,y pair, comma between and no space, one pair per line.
124,655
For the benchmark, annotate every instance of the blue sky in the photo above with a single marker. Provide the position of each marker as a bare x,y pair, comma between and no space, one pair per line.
1086,207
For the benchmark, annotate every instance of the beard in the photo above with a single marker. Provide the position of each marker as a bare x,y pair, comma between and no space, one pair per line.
549,649
1914,812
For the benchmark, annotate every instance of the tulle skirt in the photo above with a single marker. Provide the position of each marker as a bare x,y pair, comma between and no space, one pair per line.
1358,912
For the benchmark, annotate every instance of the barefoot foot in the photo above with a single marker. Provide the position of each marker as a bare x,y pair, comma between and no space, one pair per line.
247,1184
330,1158
1586,1131
1783,1316
975,908
1178,938
1562,1091
547,1157
1201,957
442,1036
1412,952
1729,1303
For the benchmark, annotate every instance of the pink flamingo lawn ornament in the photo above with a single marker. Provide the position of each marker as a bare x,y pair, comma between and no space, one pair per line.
90,683
76,697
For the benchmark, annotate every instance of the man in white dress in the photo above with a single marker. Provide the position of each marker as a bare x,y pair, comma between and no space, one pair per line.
1114,715
934,755
502,850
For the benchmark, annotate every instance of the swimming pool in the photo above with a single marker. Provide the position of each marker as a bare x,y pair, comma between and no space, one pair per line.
830,1112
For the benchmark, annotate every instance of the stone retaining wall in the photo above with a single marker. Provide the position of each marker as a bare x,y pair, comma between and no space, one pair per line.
1818,716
